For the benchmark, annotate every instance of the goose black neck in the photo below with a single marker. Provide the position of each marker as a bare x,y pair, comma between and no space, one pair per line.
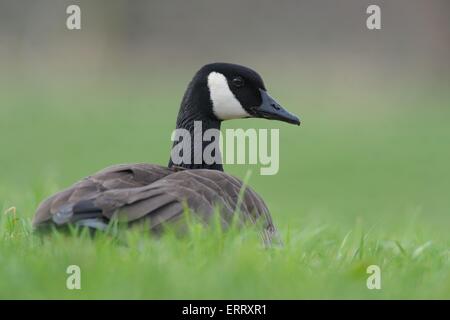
194,119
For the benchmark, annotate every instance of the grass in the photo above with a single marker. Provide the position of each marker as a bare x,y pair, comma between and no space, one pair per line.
364,181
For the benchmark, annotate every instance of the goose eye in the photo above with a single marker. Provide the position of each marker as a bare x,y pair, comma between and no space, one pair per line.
238,82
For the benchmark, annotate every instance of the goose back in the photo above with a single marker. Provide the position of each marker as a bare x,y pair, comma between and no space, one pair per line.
155,195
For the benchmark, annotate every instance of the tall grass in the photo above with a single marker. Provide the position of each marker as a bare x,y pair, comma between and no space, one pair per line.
364,181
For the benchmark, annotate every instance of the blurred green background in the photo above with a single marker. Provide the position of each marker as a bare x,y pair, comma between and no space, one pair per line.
372,151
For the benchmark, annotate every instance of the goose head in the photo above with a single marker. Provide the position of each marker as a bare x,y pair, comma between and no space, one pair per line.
219,92
229,91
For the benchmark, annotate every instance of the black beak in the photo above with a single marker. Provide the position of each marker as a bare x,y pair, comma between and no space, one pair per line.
270,109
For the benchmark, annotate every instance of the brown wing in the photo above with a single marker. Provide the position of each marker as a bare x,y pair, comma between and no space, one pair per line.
156,195
205,191
82,193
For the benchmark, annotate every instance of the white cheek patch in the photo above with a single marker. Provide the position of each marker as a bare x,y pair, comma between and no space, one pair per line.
225,104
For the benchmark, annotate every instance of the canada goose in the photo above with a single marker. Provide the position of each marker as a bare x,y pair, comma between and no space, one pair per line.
157,194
